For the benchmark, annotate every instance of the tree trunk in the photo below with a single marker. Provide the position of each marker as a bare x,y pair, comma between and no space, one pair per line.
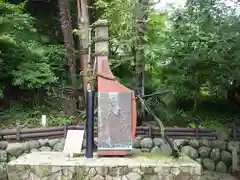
66,23
141,29
195,100
83,24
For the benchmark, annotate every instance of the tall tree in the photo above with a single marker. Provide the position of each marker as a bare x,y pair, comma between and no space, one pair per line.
66,23
202,49
141,31
83,25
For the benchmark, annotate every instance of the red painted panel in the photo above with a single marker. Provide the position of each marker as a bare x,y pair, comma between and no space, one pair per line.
108,83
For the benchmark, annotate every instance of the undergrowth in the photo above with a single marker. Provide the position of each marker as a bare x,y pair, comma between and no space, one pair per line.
24,116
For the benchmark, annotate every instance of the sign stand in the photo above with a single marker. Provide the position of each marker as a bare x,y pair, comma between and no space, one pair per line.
73,142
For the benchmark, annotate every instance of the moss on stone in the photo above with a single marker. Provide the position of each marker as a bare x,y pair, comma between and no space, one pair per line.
78,155
151,155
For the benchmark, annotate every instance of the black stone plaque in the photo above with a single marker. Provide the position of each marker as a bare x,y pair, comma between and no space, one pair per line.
115,121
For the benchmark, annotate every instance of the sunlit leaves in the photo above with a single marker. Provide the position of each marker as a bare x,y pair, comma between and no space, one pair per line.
35,75
24,60
204,47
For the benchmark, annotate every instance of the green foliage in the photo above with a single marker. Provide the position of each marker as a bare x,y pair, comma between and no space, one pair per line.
24,59
193,51
26,116
199,59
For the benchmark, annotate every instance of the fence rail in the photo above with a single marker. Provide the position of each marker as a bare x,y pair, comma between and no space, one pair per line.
61,131
235,130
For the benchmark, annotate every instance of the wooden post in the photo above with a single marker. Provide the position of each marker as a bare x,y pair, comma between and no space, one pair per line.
65,130
150,130
234,159
234,130
18,133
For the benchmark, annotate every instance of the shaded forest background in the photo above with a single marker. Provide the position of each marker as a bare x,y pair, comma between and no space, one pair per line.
190,54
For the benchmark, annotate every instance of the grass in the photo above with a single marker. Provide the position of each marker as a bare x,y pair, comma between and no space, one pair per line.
27,117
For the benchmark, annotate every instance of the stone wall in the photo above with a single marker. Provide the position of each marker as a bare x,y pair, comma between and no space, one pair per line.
11,151
214,155
55,166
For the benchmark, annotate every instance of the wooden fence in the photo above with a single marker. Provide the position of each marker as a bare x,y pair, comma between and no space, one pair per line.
235,130
61,131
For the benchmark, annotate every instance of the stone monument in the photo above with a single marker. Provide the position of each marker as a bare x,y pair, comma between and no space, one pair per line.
116,103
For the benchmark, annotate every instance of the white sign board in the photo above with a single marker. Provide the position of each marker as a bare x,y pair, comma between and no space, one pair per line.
44,120
73,142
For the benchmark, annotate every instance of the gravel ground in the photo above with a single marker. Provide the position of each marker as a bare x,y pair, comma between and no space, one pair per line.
207,175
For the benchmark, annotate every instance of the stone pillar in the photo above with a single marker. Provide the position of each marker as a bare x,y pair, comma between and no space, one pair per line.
102,50
101,38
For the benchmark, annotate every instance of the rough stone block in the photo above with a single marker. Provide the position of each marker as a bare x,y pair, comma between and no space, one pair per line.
56,165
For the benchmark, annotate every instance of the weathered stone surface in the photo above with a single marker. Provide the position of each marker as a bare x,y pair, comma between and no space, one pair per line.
208,164
208,175
219,144
182,176
59,146
11,158
34,150
232,145
134,176
146,143
15,149
166,149
204,152
156,149
204,142
181,142
194,148
221,167
136,151
3,144
32,144
190,152
136,143
150,176
194,143
118,171
199,160
97,177
145,150
158,141
226,157
102,171
52,142
49,165
3,156
175,171
43,142
47,149
215,155
3,173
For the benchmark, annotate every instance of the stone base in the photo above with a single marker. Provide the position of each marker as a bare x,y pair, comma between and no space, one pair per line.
57,166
